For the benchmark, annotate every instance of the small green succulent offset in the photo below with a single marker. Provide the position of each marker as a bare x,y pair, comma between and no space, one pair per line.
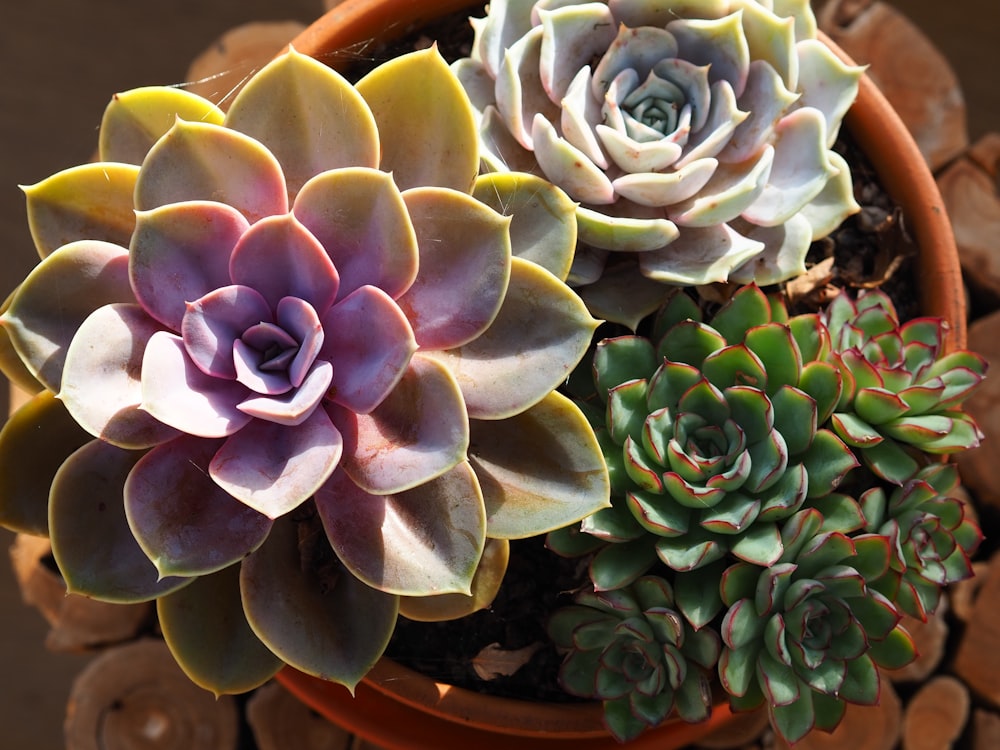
695,135
738,475
293,377
902,393
632,650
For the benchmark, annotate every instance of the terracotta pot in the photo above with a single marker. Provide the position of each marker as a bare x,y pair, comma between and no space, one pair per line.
396,707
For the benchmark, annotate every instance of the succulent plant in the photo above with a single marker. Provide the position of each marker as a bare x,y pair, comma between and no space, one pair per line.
713,447
806,635
631,650
902,392
290,335
931,535
695,135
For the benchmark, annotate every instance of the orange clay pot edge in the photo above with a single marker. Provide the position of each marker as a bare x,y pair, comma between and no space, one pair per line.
904,173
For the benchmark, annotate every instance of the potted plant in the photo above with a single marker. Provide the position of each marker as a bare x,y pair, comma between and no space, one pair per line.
328,396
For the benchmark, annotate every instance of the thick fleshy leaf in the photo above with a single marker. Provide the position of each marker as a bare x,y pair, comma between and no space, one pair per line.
700,255
311,612
535,341
485,585
184,522
274,468
190,245
176,392
418,432
280,258
101,387
134,120
34,442
422,542
464,267
308,116
539,470
199,161
208,634
543,227
213,324
91,540
370,342
423,145
89,202
88,274
359,217
11,365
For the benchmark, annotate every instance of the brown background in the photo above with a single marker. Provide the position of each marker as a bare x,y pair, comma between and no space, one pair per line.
60,60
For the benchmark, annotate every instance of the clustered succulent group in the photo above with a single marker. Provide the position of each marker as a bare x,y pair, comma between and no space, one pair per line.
308,364
792,529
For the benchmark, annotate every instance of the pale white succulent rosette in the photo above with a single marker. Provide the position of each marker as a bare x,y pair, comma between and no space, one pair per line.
695,134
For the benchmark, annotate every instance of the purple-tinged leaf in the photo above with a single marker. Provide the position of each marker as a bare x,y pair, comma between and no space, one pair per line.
181,252
177,393
359,217
215,322
464,267
293,408
280,258
274,468
88,274
312,613
308,115
91,540
184,522
538,337
370,343
196,161
418,432
100,387
424,541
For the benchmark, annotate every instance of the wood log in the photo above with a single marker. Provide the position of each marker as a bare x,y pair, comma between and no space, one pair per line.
936,715
77,623
969,190
985,730
221,70
280,721
963,594
978,465
914,76
863,727
135,697
740,732
977,660
930,638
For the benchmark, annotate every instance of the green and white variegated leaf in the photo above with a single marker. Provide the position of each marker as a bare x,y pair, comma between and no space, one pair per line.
540,470
208,634
315,617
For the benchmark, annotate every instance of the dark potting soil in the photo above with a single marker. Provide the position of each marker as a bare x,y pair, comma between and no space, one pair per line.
870,249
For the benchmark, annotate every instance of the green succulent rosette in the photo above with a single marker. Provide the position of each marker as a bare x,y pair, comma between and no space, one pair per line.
806,635
902,392
632,650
